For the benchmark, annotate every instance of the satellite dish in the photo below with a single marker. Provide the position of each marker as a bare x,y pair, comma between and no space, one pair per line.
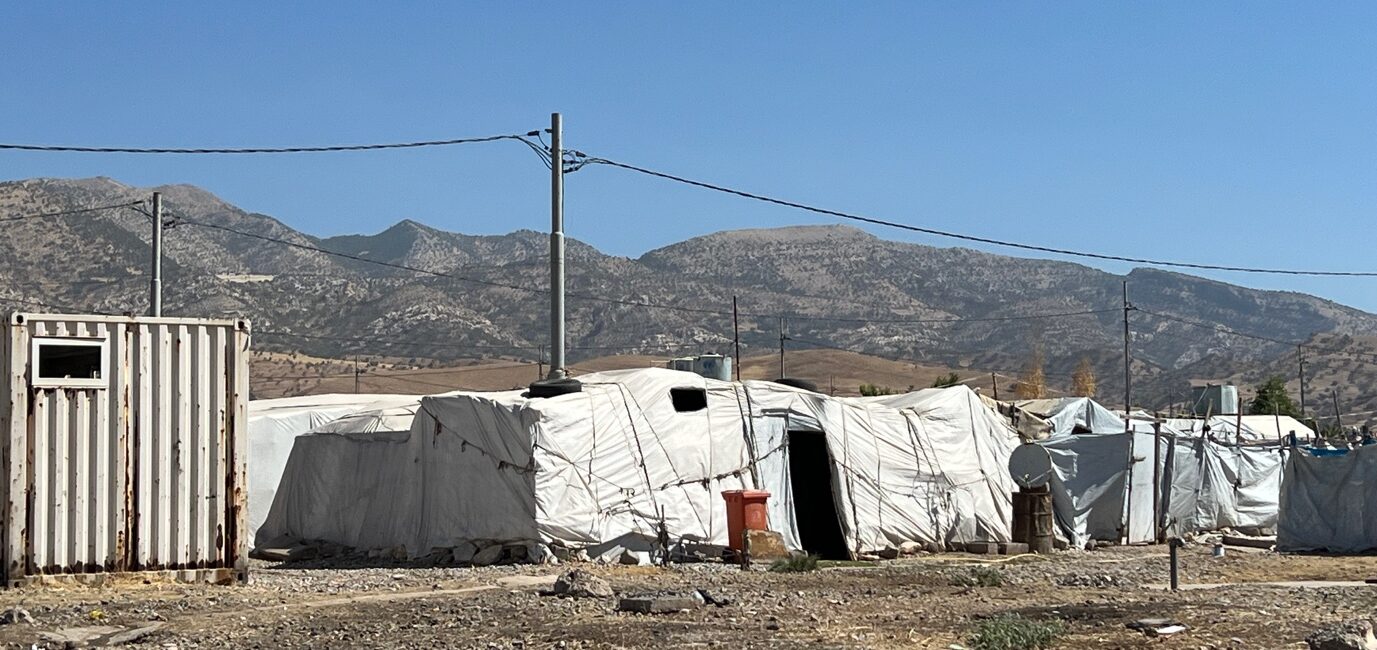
1030,465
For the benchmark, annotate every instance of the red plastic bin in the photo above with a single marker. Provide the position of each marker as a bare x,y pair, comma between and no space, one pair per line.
746,510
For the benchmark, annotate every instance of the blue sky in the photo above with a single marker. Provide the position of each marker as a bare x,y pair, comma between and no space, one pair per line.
1208,132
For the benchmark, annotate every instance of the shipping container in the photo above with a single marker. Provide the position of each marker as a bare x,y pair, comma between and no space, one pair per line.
125,448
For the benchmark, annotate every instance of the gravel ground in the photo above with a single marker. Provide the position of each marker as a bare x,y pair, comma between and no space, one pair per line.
929,601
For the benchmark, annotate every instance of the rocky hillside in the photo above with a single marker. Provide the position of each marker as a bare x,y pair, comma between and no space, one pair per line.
834,285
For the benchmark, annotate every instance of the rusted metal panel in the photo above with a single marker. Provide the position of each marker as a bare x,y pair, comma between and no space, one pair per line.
141,469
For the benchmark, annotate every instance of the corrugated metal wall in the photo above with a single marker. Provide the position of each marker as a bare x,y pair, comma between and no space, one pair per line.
145,474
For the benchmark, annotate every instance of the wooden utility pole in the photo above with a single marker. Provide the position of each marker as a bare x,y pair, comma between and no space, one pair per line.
357,372
1338,419
1300,359
1157,477
782,338
995,383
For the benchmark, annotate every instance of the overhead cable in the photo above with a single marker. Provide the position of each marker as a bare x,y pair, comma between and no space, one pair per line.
964,237
261,150
64,213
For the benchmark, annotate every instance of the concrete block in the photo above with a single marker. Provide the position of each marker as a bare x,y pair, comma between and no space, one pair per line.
657,604
1012,548
982,548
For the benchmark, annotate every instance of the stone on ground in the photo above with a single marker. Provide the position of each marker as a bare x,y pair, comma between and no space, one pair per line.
766,545
581,584
1351,635
487,555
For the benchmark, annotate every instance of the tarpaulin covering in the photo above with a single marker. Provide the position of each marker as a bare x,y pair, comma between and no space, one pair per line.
1329,503
331,488
274,424
597,468
1102,486
1210,485
1103,479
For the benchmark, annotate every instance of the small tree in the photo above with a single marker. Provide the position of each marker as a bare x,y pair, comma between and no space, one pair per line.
1270,397
871,390
1083,379
946,381
1033,383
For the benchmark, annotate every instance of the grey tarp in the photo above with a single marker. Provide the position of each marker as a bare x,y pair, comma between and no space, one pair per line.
1329,503
1102,486
1210,485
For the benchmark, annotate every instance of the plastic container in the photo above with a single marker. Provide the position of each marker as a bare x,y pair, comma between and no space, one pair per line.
746,510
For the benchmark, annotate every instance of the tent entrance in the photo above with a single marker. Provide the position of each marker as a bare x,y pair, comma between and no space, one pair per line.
815,506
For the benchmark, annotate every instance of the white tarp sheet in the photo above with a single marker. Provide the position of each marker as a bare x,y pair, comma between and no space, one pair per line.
1329,503
596,469
1254,428
274,425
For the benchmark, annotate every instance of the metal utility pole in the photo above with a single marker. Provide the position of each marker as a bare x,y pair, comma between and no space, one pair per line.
736,336
782,338
1128,361
556,247
155,288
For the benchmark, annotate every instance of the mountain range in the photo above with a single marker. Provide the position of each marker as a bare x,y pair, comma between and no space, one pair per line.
421,294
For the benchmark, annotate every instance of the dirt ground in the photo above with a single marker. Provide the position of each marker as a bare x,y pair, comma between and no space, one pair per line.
918,602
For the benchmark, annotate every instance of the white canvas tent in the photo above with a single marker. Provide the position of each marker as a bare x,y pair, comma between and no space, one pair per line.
1329,503
600,469
273,427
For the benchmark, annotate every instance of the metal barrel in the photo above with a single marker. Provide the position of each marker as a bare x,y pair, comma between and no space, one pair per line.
1039,505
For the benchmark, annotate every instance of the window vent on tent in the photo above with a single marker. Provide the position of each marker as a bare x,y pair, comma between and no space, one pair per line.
687,400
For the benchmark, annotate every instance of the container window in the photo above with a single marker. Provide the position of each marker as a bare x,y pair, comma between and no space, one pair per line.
69,363
688,400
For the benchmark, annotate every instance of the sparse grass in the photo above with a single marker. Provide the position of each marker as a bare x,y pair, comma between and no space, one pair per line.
1013,632
828,564
795,564
980,576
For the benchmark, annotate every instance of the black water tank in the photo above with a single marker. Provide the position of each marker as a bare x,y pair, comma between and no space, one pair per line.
797,383
554,387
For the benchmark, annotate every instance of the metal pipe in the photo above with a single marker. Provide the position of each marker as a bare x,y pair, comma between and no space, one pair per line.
1175,573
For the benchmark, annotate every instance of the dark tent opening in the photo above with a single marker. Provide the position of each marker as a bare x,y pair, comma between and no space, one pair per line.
815,507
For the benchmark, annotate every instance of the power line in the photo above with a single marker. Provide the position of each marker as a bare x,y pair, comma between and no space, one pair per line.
830,346
64,213
262,150
964,237
1228,330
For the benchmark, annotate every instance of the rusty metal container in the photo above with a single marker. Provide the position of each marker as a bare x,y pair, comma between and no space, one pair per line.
1033,519
124,440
